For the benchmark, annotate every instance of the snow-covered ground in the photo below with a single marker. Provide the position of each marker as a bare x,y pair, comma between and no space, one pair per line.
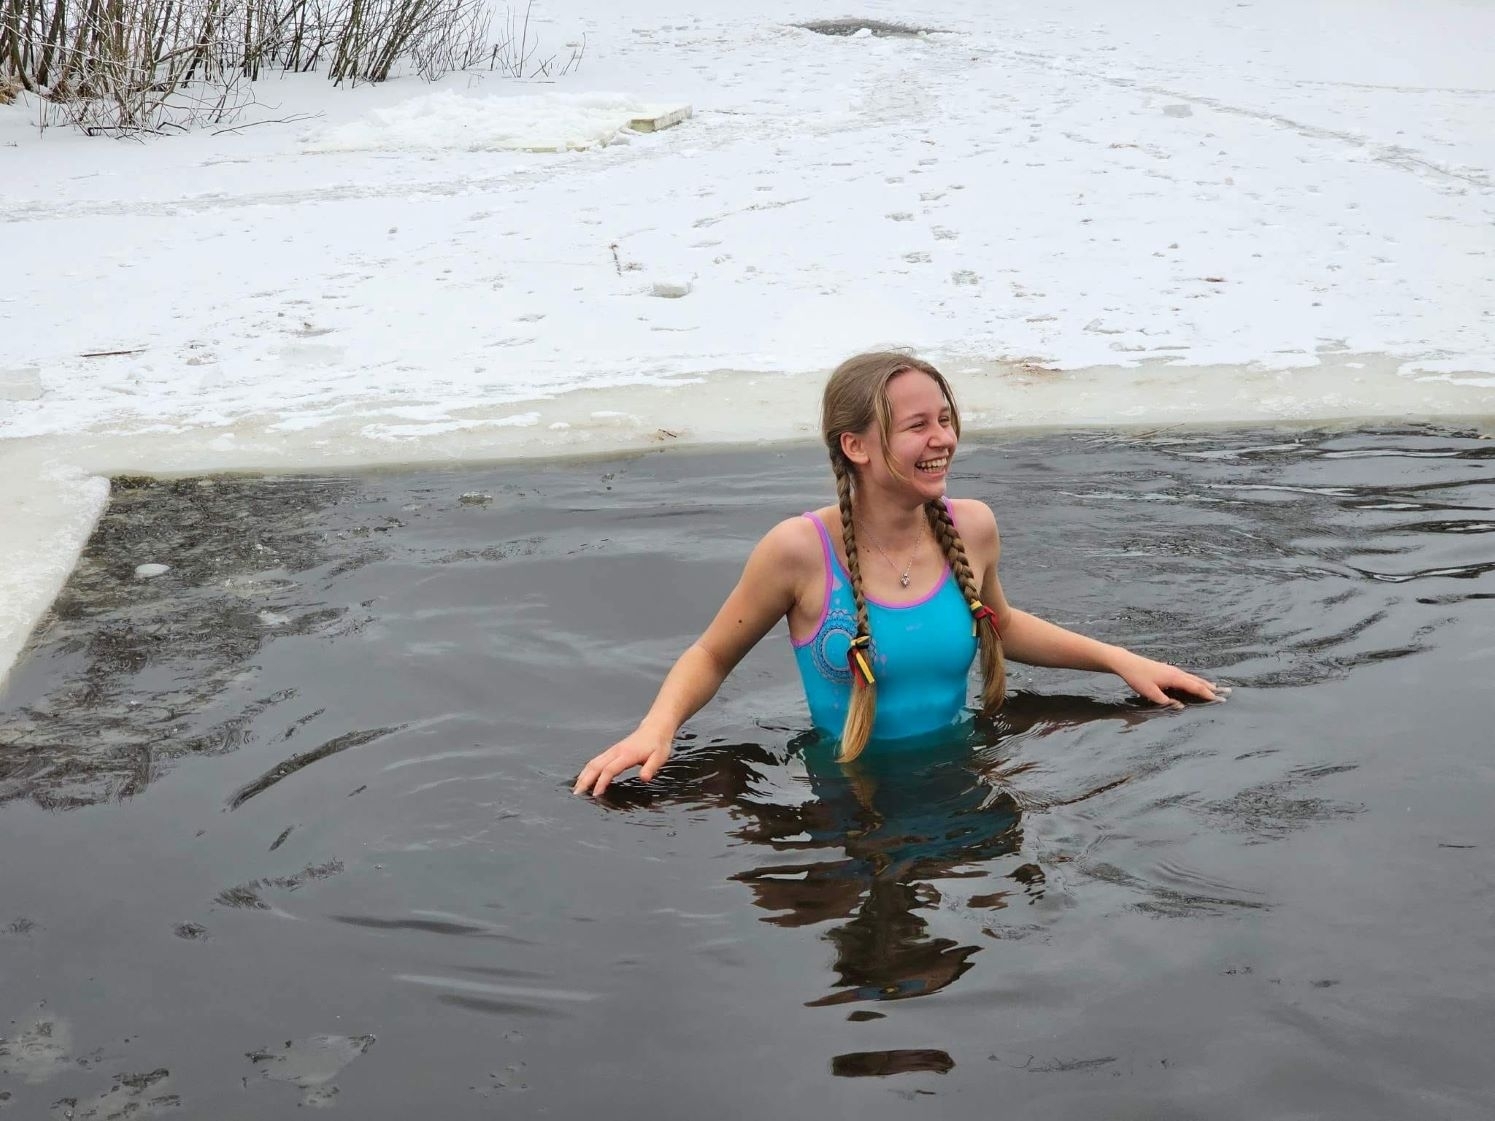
1088,212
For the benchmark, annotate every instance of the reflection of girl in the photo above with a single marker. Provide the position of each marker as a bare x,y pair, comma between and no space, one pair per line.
887,593
915,813
870,846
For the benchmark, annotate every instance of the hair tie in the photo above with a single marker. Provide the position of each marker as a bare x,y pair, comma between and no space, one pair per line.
857,660
980,611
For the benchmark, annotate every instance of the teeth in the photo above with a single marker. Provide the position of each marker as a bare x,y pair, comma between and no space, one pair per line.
933,464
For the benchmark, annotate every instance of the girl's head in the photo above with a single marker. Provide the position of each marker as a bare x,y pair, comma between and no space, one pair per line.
858,411
889,411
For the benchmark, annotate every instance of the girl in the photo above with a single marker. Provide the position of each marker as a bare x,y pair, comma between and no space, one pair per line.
888,594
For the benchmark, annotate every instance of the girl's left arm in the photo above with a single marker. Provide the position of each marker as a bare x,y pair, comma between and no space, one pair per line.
1037,642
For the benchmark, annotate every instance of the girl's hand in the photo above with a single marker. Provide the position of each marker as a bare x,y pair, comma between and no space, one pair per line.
1150,679
645,750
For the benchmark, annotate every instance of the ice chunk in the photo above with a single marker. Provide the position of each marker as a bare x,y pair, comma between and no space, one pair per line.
670,289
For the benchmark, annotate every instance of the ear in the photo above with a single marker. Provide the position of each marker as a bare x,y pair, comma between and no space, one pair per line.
855,449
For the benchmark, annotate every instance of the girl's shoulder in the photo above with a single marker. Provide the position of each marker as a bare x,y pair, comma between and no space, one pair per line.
796,540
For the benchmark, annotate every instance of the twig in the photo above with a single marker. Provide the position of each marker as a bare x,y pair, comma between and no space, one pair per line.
120,132
291,120
112,353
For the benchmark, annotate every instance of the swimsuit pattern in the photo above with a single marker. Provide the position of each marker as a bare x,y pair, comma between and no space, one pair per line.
832,643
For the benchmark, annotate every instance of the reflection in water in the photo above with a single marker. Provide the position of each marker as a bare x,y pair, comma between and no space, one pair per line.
862,1064
865,850
876,836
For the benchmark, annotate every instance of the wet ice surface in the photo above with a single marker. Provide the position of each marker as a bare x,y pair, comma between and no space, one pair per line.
287,824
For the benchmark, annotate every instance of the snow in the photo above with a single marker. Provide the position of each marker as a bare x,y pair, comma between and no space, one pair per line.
452,121
1087,213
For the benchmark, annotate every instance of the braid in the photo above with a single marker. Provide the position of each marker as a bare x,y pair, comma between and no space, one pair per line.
853,559
861,711
993,665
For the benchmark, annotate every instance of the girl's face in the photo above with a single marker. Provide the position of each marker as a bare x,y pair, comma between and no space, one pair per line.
921,440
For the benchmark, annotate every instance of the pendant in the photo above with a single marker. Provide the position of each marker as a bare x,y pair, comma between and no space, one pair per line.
903,579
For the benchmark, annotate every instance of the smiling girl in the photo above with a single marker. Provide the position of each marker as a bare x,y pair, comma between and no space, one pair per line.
889,594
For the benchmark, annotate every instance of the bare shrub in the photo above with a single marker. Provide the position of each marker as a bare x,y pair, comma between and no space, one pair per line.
516,55
127,66
458,38
378,33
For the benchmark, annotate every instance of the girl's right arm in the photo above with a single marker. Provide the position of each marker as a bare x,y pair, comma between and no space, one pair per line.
763,596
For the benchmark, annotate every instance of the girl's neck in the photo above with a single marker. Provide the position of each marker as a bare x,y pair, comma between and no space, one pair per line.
887,522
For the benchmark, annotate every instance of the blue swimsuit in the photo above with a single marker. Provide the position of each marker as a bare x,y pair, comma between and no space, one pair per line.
921,655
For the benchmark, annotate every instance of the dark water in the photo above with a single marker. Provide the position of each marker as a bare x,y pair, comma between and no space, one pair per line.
290,826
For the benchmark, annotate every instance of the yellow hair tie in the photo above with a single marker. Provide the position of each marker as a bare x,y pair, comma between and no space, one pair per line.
858,661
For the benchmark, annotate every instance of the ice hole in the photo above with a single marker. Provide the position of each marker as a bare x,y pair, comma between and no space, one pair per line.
851,26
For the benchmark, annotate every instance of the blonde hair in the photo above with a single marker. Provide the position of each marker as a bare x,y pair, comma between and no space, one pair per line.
855,398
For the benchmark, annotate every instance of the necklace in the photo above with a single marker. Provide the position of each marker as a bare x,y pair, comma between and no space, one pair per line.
909,567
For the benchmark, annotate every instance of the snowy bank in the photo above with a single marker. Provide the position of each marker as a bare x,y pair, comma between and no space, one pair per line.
1091,215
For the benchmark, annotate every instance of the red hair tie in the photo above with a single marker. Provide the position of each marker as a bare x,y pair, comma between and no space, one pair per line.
980,611
857,661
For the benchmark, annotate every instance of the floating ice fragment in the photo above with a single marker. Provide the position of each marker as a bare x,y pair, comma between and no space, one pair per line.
310,1064
518,420
147,571
38,1051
